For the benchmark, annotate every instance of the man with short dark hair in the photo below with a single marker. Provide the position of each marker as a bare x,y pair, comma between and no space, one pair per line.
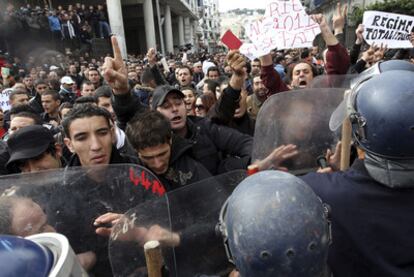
87,88
36,102
50,103
280,64
148,83
256,67
94,77
164,153
210,86
103,99
17,97
28,83
256,100
89,136
23,119
85,100
213,73
185,76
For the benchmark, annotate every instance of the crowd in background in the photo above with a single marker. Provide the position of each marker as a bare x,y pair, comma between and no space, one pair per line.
203,106
72,27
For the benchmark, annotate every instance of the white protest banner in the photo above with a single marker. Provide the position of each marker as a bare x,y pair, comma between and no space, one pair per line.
251,51
4,99
388,28
284,25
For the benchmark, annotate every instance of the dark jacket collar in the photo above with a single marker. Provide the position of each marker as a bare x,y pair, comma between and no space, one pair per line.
179,147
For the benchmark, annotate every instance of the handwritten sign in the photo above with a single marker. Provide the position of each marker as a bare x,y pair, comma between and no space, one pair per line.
155,186
251,51
284,25
389,28
4,99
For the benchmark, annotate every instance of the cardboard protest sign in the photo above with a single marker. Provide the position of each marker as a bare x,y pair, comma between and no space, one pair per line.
231,41
4,99
284,25
251,51
388,28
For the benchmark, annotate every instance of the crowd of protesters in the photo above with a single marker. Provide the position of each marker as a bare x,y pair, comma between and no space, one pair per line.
202,106
72,27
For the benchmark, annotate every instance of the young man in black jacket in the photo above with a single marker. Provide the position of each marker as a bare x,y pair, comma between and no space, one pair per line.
89,136
165,154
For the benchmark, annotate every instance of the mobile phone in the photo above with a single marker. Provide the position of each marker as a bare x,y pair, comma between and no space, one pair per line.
322,162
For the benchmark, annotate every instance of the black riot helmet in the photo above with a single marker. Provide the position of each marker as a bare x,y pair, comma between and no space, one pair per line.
273,224
382,117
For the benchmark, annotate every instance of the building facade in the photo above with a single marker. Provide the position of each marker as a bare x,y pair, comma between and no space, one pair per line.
163,24
209,24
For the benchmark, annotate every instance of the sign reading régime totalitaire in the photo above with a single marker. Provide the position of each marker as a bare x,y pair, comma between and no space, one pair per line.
390,29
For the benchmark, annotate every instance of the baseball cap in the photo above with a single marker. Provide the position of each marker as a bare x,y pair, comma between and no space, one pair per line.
67,80
53,67
28,142
161,92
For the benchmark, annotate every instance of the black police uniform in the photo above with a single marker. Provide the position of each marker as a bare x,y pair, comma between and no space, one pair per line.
372,225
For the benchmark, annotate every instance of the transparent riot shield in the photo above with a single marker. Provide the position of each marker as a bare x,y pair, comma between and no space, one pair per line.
70,200
297,117
333,81
184,222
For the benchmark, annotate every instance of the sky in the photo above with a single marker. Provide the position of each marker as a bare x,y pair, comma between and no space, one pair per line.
225,5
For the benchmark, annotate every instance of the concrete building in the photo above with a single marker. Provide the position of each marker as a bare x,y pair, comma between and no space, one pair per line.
209,24
141,24
164,24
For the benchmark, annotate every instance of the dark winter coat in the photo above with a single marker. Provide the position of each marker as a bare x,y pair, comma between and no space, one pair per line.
183,169
372,225
218,148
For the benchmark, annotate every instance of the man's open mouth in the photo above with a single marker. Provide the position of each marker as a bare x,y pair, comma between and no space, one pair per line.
176,118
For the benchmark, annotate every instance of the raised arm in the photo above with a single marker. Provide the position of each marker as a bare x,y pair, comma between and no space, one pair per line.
224,109
337,58
270,78
356,48
125,104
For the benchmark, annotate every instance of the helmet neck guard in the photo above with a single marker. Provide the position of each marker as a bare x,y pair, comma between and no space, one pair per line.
390,173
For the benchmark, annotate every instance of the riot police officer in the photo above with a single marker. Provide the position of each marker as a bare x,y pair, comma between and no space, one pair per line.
372,202
273,224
